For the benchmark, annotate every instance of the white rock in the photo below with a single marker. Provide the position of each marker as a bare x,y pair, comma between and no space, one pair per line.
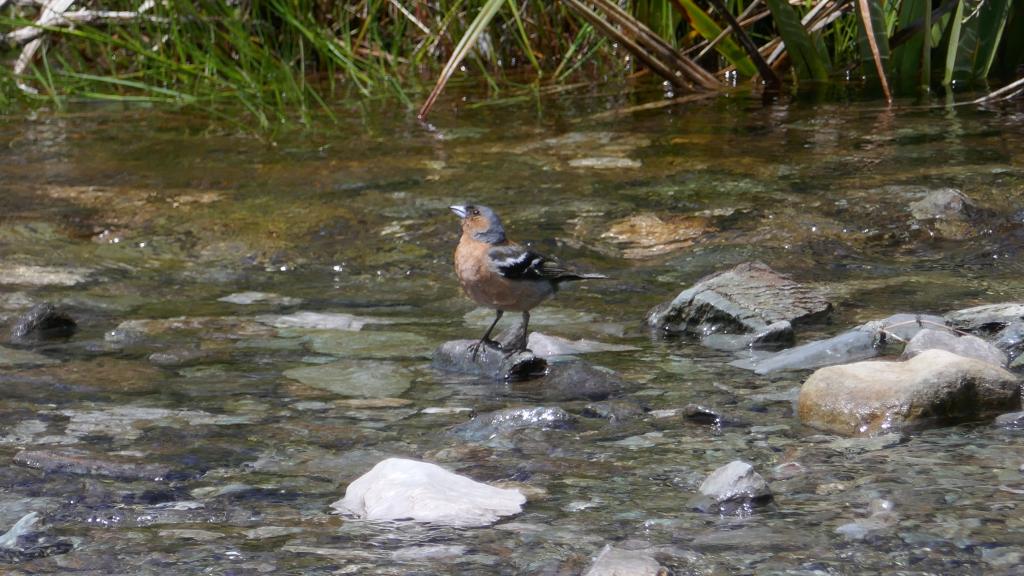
967,346
320,321
544,346
246,298
41,275
735,480
400,489
618,562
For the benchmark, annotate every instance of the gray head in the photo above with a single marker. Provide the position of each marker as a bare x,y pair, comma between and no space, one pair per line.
481,223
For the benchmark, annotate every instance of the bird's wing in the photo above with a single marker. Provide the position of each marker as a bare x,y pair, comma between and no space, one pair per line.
517,263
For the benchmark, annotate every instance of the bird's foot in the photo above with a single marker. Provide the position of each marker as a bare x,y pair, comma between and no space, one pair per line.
475,347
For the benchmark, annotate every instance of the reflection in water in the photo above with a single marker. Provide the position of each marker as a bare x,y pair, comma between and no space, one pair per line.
167,375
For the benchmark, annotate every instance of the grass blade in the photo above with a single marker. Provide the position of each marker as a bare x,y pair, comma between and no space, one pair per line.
991,21
809,63
953,42
710,30
476,28
874,40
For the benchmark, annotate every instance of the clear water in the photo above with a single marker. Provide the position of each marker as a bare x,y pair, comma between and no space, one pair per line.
160,215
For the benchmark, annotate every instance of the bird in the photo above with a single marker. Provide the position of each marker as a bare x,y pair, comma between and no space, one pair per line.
502,275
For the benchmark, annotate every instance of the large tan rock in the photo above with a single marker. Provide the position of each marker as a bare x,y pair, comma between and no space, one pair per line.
933,388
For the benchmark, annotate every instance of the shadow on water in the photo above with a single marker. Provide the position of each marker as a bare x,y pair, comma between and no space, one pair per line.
196,424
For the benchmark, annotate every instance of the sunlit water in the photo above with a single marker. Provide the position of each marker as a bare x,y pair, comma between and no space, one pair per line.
157,216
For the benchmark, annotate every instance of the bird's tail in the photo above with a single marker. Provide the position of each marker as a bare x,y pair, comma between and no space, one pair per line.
573,276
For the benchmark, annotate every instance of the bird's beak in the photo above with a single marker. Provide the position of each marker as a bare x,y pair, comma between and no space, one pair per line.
459,211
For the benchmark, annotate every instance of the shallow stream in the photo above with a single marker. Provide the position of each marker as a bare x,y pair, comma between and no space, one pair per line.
219,452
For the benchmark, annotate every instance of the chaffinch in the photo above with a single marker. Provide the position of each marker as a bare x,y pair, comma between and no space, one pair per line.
503,275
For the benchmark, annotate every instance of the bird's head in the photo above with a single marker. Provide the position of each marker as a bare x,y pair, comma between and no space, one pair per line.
481,223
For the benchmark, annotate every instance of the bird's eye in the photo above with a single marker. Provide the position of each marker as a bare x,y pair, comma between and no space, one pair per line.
476,212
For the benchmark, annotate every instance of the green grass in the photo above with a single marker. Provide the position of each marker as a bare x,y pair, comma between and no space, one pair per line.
282,62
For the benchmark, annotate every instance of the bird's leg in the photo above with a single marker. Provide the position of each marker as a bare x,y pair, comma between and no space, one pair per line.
486,340
525,337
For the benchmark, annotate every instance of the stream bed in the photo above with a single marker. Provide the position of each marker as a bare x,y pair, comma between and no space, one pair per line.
256,319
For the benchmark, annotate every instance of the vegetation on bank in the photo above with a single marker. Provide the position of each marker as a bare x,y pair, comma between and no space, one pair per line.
281,59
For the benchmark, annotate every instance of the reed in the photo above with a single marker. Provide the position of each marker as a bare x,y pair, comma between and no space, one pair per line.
274,62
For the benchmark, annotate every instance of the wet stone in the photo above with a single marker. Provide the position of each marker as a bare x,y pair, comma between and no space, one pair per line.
1011,339
401,489
732,487
490,362
320,321
612,561
73,461
647,235
861,343
966,345
24,541
249,298
747,298
614,410
934,387
988,317
26,275
1011,420
359,378
369,344
504,422
42,322
12,357
605,163
546,346
577,380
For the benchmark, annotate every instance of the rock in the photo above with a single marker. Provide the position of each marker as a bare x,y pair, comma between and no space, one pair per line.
745,299
576,380
861,343
989,317
72,461
645,235
360,378
12,357
457,356
24,542
320,321
41,275
1011,420
1011,339
546,346
882,517
369,344
619,562
248,298
871,398
43,321
967,346
774,336
614,410
605,163
701,415
943,204
504,422
731,487
400,489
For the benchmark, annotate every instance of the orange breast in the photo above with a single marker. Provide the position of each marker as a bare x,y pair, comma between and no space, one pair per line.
488,288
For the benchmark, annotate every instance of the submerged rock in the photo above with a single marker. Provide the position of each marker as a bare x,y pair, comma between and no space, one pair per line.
881,518
504,422
11,357
22,274
620,410
645,235
248,298
613,561
320,321
23,541
870,398
1011,339
745,299
577,380
360,378
967,346
861,343
400,489
73,461
731,487
43,321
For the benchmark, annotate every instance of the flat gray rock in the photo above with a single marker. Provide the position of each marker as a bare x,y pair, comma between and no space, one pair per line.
861,343
876,397
613,561
27,275
80,462
745,299
963,345
249,298
12,357
360,378
400,489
